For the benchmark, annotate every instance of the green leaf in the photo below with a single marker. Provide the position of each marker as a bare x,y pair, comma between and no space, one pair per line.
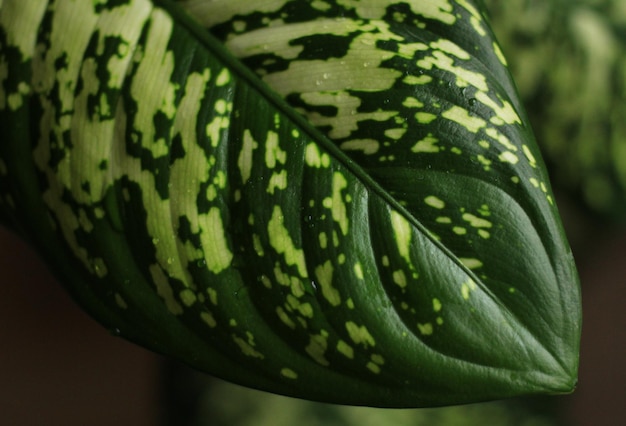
417,259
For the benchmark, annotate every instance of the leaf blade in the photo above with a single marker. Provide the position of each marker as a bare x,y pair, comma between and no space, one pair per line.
220,218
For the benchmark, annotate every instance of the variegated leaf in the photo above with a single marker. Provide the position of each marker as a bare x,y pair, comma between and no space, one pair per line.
417,259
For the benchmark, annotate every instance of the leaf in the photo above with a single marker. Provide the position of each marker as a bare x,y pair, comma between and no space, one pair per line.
415,260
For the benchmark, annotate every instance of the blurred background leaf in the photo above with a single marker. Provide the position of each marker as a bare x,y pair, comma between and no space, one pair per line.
568,58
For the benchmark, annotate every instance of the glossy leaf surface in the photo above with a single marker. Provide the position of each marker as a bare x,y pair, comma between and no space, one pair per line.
416,259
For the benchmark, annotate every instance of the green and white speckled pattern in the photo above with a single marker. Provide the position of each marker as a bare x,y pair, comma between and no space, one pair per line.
417,259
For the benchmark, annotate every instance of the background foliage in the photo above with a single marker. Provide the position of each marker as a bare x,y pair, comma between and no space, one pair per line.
568,58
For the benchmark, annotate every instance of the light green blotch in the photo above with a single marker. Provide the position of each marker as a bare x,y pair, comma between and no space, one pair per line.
426,329
443,220
471,263
350,303
412,102
273,153
360,334
220,122
21,24
314,158
367,146
258,245
288,373
152,85
459,230
437,305
277,181
417,80
449,47
434,202
476,221
484,234
503,113
485,162
377,359
499,54
188,297
529,155
245,156
15,100
284,318
208,319
247,347
336,204
324,274
508,157
373,367
464,77
318,343
306,309
326,78
439,10
119,301
395,133
164,289
462,117
212,295
223,78
427,145
399,277
402,235
281,241
358,271
281,277
323,239
345,349
425,117
467,287
214,244
239,26
348,117
475,19
114,23
211,193
500,138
